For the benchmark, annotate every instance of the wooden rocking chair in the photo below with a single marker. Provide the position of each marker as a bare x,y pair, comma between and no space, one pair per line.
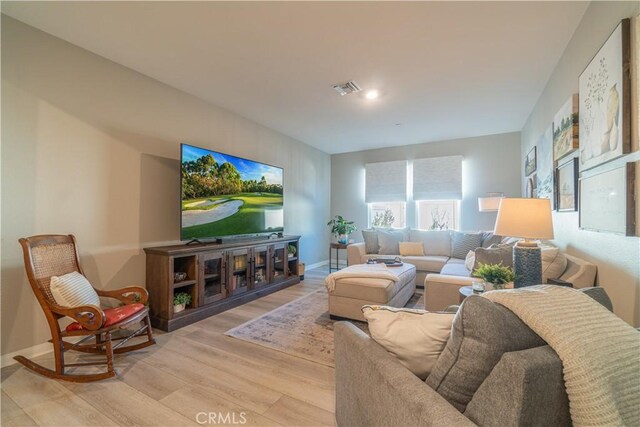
55,255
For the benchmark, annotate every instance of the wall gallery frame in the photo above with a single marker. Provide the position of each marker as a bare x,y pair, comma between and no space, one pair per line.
605,101
607,201
530,162
565,129
566,186
544,161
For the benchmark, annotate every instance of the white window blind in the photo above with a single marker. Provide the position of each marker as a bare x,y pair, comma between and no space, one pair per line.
437,178
386,182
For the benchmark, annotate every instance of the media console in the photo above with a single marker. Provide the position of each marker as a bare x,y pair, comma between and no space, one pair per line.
218,276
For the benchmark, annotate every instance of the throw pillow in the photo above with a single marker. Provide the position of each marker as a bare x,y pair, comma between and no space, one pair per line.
435,242
73,290
464,242
470,260
415,337
488,239
411,249
496,254
389,242
554,263
370,241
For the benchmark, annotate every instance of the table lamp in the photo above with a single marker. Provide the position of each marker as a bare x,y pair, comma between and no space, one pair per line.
528,219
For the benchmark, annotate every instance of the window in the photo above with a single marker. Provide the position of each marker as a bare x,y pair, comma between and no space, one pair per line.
438,214
387,215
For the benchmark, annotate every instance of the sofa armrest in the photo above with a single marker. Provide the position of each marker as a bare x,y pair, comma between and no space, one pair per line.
525,388
441,291
579,273
356,253
374,389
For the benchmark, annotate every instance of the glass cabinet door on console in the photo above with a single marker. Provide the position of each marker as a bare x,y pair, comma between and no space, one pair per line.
213,278
239,276
279,262
260,266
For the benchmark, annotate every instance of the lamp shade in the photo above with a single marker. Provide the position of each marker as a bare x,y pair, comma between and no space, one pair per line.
526,218
490,203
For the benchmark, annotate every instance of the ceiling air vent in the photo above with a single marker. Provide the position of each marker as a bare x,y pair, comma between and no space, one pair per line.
347,88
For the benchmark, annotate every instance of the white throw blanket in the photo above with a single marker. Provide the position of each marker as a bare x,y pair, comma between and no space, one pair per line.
600,352
364,271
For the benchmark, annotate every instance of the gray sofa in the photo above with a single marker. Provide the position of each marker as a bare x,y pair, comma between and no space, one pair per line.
494,371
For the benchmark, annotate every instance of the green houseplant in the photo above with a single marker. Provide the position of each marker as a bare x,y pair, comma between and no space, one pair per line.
341,228
496,274
180,301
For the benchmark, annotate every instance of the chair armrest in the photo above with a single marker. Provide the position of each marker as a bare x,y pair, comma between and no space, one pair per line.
441,291
374,389
91,317
128,295
355,253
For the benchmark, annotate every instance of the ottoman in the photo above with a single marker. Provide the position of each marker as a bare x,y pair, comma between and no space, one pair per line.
351,293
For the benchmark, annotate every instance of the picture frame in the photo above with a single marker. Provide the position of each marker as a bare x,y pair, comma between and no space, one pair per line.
530,162
605,101
544,166
566,129
531,191
566,186
607,201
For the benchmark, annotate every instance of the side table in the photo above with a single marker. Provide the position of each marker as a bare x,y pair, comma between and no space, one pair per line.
337,247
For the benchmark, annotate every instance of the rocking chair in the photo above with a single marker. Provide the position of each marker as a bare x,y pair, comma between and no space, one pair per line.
55,255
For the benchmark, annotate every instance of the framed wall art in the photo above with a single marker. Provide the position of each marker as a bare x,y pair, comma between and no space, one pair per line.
530,162
531,187
566,184
565,129
605,101
607,201
544,168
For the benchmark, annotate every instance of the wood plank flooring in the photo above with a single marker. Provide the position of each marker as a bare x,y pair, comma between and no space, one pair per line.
193,376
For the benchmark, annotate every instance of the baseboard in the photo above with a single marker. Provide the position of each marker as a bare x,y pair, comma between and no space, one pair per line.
29,353
317,264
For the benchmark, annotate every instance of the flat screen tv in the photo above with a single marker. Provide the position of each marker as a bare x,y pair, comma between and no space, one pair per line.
224,195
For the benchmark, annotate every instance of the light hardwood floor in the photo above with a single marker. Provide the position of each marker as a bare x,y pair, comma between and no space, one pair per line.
196,369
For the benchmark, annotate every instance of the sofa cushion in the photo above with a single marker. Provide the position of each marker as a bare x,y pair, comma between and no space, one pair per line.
456,268
435,242
389,241
426,263
415,337
496,254
411,249
462,243
375,290
370,241
482,332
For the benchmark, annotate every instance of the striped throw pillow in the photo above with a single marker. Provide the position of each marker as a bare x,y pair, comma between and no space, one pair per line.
73,290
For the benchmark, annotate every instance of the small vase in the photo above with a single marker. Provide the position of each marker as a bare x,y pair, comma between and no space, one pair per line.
343,239
179,307
478,287
497,286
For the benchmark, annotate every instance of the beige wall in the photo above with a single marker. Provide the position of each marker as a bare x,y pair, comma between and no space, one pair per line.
490,163
617,257
90,147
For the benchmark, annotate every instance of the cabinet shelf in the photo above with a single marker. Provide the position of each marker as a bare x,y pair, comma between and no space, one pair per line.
183,283
211,276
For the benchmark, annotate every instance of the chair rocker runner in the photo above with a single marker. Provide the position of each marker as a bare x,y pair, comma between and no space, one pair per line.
56,255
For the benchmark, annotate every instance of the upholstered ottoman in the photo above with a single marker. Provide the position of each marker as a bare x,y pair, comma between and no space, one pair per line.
347,295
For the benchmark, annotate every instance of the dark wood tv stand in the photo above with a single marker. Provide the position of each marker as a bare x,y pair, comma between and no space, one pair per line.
219,276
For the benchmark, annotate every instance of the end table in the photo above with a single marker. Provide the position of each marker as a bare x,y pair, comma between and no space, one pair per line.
337,247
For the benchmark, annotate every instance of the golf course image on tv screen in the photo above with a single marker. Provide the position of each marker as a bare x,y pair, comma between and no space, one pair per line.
223,195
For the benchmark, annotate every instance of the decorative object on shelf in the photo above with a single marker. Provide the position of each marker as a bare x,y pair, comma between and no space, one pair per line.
532,182
565,129
179,276
180,301
341,228
291,250
544,161
530,162
528,219
491,202
607,201
498,275
566,183
605,101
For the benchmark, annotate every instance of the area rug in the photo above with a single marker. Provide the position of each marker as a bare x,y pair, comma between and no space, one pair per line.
300,328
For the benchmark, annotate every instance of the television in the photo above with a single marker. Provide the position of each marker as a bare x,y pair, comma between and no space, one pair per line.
224,195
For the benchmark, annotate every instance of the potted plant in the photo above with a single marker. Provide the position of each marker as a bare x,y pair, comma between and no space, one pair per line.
180,301
497,275
341,228
291,250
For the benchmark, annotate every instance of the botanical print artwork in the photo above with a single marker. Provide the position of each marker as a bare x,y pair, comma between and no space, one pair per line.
530,162
567,178
544,180
565,129
601,103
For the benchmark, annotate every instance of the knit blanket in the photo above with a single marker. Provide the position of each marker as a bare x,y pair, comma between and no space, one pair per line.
361,271
600,352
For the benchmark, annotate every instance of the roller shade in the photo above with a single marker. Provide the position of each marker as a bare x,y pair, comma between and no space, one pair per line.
437,178
386,182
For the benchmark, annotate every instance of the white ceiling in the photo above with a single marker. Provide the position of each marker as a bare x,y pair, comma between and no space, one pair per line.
445,70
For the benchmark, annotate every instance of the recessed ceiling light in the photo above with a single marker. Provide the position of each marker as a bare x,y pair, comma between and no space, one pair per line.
372,94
